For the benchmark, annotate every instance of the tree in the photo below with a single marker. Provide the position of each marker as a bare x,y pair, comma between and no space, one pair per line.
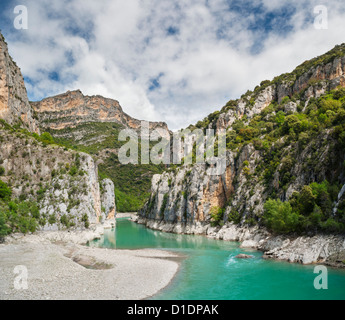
279,217
307,200
47,138
217,215
280,118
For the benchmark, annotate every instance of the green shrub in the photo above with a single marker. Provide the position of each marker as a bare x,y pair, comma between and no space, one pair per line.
234,216
85,219
217,215
73,171
5,191
164,204
4,229
279,217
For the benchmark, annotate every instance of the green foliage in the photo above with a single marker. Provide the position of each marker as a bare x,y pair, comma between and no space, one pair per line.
309,210
4,228
5,191
279,217
67,221
73,171
132,182
217,216
280,118
21,217
2,171
164,204
85,220
234,216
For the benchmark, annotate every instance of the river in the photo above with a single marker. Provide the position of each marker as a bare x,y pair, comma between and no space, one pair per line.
211,270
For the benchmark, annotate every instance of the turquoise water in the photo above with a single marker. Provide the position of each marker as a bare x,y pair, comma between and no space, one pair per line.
210,270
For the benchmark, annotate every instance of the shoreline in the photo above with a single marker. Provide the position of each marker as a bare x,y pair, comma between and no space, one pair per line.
61,267
323,249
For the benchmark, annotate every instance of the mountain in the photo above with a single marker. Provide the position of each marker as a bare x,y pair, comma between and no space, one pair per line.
285,160
72,108
92,125
43,185
14,103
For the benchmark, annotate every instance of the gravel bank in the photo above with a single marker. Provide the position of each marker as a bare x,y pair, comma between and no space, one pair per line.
60,270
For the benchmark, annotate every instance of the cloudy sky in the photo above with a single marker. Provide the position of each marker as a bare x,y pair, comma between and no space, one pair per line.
169,60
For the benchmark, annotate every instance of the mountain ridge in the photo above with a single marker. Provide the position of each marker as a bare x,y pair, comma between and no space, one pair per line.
72,108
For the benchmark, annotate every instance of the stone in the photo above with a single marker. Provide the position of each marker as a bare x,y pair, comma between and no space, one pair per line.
244,256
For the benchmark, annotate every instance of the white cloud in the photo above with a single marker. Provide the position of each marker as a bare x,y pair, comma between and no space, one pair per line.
117,48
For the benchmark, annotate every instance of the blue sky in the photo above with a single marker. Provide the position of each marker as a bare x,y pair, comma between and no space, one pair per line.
168,60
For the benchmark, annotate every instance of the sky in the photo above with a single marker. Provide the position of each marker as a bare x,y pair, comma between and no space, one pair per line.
166,60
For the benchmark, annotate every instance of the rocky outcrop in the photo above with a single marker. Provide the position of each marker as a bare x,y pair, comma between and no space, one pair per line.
62,182
314,82
72,108
108,199
14,103
326,249
189,200
188,194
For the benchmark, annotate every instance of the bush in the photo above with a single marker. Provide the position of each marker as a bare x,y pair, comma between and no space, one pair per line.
73,171
4,229
217,215
234,216
279,217
5,191
46,138
2,171
164,204
85,219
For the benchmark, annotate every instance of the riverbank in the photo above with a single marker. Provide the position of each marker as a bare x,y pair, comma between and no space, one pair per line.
61,267
321,249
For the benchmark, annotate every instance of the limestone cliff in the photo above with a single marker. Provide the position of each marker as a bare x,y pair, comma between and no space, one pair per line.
282,138
73,108
62,182
107,199
315,81
14,103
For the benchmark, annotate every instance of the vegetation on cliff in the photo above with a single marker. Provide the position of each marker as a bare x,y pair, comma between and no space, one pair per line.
287,156
132,182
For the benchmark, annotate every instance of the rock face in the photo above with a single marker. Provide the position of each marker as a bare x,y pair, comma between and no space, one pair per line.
189,200
45,174
108,199
14,103
73,108
63,183
326,249
188,194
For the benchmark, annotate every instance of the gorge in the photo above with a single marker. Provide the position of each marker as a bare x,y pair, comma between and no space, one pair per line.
282,191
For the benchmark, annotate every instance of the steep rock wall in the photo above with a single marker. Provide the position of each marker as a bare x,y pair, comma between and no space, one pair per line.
14,103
